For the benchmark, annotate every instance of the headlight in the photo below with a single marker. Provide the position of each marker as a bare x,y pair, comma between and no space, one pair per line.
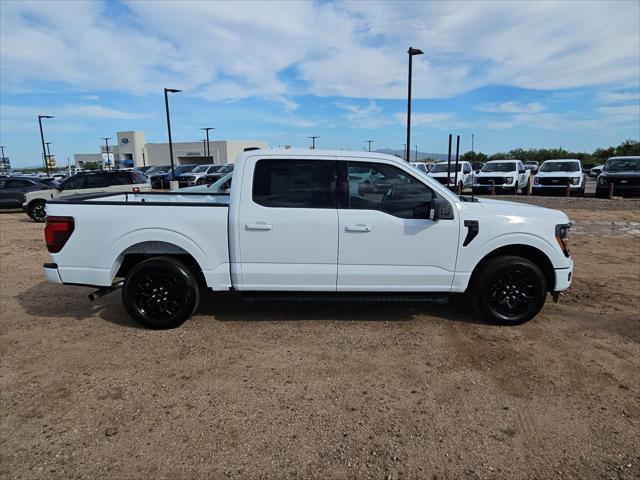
508,179
536,181
575,181
562,235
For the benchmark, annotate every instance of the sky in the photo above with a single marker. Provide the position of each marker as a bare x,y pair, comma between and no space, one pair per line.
528,74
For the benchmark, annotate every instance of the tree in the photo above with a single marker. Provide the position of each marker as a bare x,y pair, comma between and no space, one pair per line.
90,165
628,147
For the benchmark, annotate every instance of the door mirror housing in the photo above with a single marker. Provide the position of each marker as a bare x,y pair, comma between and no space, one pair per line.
441,210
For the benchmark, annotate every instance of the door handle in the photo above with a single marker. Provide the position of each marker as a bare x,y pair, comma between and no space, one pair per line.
357,228
258,226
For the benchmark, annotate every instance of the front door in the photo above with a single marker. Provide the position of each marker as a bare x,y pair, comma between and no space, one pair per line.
386,241
288,225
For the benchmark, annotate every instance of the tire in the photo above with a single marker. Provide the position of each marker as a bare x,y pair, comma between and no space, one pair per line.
160,293
517,276
37,211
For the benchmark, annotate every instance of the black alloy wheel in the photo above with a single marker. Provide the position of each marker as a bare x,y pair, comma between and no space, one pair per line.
509,290
160,292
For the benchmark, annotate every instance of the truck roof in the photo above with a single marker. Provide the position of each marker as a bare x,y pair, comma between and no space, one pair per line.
303,152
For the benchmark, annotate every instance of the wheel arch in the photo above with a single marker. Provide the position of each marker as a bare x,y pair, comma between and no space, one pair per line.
531,253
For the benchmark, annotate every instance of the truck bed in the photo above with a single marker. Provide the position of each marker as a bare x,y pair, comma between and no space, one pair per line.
148,198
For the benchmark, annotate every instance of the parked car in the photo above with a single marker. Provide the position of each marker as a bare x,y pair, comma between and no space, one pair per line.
423,167
14,189
464,176
212,177
198,175
161,179
222,185
477,166
595,171
279,231
556,175
532,166
623,173
108,181
144,169
508,176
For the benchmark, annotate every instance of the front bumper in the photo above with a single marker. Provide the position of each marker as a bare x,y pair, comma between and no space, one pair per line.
563,278
51,273
618,190
555,188
487,188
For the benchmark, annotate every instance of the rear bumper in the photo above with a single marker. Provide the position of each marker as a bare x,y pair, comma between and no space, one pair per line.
51,273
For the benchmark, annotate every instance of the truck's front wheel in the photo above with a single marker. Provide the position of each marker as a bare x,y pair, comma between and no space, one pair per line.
509,290
160,292
37,210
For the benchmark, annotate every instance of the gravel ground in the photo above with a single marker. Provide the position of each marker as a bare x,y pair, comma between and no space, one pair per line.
324,390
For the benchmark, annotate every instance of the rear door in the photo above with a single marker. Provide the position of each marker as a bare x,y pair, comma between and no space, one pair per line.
386,241
288,225
15,190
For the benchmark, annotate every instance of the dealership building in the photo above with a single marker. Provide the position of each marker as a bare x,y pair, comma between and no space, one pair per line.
132,151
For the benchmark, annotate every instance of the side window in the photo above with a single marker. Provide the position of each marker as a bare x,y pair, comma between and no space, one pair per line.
294,183
3,184
467,168
120,178
97,181
73,183
378,186
18,183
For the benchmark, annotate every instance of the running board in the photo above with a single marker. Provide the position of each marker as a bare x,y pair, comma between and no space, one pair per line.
438,298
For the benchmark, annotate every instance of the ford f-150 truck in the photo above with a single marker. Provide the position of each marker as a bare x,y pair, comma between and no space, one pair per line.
293,223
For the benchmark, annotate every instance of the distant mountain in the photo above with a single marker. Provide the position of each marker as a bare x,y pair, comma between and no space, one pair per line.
421,155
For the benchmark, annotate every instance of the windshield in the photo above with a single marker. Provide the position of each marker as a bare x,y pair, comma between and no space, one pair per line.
560,167
499,167
183,169
226,169
442,167
200,169
622,164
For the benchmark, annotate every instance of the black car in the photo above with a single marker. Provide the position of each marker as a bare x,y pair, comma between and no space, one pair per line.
13,189
621,172
221,172
161,180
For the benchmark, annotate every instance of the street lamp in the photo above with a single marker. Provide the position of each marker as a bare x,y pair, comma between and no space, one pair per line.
313,141
204,147
44,151
48,151
206,129
166,107
369,142
106,143
412,51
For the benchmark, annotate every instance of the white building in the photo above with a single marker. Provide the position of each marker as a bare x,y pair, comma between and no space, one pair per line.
131,151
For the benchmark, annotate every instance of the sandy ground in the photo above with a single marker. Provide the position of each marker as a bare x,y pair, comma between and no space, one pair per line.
312,390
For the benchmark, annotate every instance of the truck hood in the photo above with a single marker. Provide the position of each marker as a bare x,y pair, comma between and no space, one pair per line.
497,174
515,210
558,174
621,174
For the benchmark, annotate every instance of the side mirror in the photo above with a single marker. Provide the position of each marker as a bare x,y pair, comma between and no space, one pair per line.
423,210
441,210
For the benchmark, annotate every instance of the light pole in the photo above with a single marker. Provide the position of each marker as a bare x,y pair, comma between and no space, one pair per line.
412,51
106,144
416,152
369,142
206,129
4,165
166,107
204,147
44,151
313,141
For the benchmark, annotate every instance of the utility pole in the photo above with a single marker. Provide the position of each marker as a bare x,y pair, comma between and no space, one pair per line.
4,165
369,142
416,152
313,141
44,151
166,107
106,143
48,154
206,129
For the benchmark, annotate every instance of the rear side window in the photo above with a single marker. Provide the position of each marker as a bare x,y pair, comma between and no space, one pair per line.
74,183
121,178
294,183
97,181
18,183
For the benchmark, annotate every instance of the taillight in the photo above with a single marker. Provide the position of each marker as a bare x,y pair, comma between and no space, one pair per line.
136,189
57,232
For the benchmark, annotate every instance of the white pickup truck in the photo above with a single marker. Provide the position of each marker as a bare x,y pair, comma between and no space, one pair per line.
293,223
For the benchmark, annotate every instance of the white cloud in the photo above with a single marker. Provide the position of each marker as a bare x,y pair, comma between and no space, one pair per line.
510,107
230,50
367,117
615,97
441,119
68,112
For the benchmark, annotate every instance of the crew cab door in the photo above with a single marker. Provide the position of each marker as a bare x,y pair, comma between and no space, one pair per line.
386,241
288,225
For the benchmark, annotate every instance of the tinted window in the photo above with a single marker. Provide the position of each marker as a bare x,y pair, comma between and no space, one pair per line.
120,178
467,169
97,181
3,184
378,186
19,183
73,183
294,183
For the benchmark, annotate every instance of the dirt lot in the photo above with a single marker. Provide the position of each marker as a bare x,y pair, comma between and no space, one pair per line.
278,390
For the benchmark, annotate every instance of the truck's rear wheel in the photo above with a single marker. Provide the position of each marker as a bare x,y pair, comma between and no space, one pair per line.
509,290
160,292
37,210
